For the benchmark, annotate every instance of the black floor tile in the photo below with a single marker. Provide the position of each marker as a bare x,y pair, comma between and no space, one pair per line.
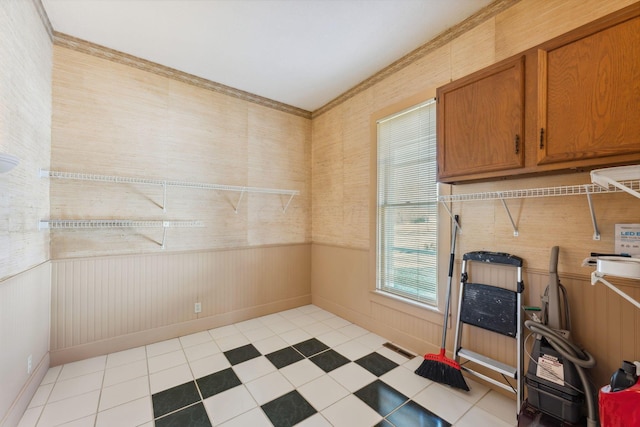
284,357
329,360
288,410
192,416
174,398
413,414
311,347
241,354
381,397
376,363
218,382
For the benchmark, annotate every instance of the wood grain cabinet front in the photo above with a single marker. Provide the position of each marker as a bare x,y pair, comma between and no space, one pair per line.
480,121
572,103
589,105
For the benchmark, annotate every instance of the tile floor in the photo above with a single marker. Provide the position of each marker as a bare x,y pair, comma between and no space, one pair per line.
303,367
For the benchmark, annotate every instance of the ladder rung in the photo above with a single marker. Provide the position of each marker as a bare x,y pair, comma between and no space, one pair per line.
487,362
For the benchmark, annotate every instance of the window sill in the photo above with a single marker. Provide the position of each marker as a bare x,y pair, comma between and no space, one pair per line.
422,311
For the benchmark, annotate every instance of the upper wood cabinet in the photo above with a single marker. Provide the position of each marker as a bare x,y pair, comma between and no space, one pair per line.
570,103
481,121
590,96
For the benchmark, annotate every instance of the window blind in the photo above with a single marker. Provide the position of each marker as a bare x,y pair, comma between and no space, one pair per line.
407,211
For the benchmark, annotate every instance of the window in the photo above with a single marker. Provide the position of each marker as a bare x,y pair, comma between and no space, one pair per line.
407,206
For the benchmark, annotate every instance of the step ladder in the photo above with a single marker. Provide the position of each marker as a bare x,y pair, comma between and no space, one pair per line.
494,309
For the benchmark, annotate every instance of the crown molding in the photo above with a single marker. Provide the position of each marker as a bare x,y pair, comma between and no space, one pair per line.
440,40
79,45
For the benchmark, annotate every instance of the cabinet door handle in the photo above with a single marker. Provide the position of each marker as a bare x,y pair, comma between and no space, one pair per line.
516,142
541,138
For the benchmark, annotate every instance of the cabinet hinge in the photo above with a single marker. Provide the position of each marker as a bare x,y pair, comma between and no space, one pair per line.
516,142
541,138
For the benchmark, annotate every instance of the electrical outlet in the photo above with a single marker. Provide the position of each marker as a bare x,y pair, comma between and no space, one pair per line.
29,365
197,308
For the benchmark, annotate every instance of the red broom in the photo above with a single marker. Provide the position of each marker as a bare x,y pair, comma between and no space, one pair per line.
438,367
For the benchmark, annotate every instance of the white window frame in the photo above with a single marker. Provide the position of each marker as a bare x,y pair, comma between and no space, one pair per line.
412,205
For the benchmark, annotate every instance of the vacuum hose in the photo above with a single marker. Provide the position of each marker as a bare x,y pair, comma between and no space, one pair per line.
580,358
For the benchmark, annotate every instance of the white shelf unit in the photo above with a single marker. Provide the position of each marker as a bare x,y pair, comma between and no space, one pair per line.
76,224
172,183
610,180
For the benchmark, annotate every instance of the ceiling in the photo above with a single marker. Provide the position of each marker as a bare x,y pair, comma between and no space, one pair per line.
303,53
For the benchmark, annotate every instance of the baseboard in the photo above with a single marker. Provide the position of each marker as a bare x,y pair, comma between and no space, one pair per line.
124,342
20,404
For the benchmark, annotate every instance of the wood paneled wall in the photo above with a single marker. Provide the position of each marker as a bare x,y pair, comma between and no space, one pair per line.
117,288
106,304
343,259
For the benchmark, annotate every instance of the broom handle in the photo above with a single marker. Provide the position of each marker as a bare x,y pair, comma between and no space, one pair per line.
456,224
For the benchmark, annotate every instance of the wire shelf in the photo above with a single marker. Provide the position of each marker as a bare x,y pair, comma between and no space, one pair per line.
114,223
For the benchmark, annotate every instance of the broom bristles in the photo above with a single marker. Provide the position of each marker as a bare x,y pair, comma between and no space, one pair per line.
441,369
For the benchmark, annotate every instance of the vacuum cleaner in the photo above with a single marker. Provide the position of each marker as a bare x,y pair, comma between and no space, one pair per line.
557,384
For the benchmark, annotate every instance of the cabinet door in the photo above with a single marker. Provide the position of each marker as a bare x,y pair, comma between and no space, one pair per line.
590,97
480,122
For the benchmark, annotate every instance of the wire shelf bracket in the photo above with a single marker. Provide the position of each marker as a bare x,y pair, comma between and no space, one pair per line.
609,180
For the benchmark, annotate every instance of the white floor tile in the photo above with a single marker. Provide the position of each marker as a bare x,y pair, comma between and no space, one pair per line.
333,338
352,350
392,355
371,340
126,357
322,315
199,351
316,420
124,373
309,308
258,334
499,405
89,421
71,409
323,392
223,331
254,368
195,339
253,418
295,336
351,412
475,393
130,414
232,341
41,395
166,361
301,372
271,344
209,365
290,314
405,381
352,376
304,320
163,347
76,386
124,393
229,404
52,375
168,378
413,364
270,319
318,328
268,387
477,417
336,322
282,326
442,402
353,331
30,416
83,367
249,325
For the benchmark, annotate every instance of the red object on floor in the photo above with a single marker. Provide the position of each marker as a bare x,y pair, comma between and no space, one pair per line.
620,408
